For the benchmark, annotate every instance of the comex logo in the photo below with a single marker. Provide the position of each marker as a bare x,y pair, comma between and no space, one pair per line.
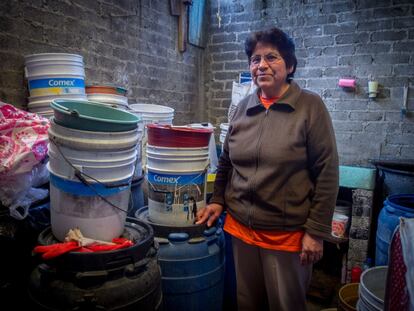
169,180
65,83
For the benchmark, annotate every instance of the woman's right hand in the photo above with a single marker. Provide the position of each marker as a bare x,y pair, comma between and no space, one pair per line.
210,213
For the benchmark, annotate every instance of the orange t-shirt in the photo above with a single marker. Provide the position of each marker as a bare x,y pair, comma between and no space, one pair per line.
289,241
267,102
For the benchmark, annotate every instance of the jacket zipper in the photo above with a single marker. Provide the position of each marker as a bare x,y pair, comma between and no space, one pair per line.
252,186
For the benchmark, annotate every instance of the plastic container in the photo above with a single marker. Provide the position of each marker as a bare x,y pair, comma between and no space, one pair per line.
150,113
125,279
397,176
192,261
348,297
106,89
55,74
178,136
113,100
98,211
339,225
372,289
92,140
395,206
91,116
104,166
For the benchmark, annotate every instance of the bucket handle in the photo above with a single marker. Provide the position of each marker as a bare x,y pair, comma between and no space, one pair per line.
80,175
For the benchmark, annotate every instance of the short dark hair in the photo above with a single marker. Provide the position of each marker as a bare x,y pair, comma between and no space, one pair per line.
279,40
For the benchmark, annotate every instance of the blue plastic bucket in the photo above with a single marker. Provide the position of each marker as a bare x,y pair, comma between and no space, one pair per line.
395,206
193,270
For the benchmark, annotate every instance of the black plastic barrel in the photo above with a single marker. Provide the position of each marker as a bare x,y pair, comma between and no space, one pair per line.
192,261
397,177
395,206
125,279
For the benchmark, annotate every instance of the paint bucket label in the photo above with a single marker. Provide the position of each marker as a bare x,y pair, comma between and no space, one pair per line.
174,198
56,86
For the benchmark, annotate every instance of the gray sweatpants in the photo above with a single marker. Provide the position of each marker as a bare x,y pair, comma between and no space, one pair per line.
276,274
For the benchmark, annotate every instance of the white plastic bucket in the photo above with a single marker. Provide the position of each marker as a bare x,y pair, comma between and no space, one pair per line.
372,289
104,166
168,152
176,184
38,65
150,113
112,100
89,140
55,74
40,104
75,205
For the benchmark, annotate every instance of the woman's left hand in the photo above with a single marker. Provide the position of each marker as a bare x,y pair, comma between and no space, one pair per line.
312,249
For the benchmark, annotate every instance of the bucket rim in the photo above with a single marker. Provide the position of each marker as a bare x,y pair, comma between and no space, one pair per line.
53,54
177,148
56,105
61,76
85,132
179,128
346,286
363,286
395,170
165,109
185,172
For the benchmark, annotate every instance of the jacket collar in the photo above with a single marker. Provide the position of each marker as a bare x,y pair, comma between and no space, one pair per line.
289,99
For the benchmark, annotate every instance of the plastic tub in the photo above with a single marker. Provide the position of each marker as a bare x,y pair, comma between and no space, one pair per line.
91,116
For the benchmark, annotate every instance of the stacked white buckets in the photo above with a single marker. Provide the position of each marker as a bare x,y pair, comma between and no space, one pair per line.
109,95
53,75
150,113
90,179
177,162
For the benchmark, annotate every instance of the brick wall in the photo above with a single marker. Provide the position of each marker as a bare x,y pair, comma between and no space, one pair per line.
334,39
128,43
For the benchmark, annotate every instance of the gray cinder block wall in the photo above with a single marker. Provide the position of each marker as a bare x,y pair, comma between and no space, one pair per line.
127,43
334,39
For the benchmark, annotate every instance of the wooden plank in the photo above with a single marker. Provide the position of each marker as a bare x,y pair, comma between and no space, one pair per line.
182,27
357,177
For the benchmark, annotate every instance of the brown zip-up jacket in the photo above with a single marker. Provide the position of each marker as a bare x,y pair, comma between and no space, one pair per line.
279,167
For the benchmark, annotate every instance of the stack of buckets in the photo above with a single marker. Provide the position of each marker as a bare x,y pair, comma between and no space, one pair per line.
102,158
149,114
108,95
53,75
191,257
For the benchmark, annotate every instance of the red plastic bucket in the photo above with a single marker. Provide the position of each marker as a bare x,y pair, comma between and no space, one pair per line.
174,136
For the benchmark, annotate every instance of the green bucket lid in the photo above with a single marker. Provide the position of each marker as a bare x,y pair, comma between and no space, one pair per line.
92,116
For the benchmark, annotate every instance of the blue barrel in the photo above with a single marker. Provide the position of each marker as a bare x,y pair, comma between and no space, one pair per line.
192,261
395,206
193,270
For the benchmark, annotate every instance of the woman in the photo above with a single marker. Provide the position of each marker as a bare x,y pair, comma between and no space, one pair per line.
277,179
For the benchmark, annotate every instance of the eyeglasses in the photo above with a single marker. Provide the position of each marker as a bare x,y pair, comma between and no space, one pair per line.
269,59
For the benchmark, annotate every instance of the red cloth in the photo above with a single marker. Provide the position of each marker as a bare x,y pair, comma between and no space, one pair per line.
397,298
58,249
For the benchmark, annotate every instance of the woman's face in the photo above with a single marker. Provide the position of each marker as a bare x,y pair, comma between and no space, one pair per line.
268,68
